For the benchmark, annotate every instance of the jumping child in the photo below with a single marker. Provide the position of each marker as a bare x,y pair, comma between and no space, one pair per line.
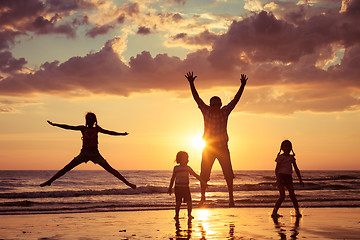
284,179
181,178
89,149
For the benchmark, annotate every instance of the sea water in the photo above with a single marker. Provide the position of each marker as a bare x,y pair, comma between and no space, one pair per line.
97,190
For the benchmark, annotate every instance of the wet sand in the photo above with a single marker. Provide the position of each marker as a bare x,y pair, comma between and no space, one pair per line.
213,223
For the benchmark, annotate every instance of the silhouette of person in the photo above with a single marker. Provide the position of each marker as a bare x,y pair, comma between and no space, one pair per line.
283,171
215,135
180,176
89,149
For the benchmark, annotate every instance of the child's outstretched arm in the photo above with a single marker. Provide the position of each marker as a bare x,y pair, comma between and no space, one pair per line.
172,180
113,132
64,126
192,172
298,174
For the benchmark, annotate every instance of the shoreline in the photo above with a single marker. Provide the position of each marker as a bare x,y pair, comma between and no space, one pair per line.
209,223
141,209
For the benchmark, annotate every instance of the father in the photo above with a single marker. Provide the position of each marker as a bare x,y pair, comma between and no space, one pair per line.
215,135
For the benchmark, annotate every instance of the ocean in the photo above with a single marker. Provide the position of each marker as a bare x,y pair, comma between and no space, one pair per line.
95,191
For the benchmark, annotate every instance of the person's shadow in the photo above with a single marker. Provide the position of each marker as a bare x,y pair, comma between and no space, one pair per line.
294,231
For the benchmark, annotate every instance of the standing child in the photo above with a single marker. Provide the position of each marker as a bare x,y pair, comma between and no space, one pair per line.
284,179
181,178
89,149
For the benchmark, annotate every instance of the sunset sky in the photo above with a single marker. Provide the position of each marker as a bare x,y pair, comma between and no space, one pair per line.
126,60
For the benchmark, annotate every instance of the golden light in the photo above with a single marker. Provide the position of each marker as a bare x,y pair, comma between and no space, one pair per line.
203,214
198,142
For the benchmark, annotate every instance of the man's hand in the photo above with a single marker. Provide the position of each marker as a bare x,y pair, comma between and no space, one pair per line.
243,79
190,77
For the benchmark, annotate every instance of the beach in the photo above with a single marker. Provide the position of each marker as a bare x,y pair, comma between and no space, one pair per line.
88,205
208,223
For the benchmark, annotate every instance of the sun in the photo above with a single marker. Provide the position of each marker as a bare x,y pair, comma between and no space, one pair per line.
197,142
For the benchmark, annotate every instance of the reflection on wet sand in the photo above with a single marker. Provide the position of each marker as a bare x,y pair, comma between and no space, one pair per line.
231,231
280,228
183,233
205,227
203,231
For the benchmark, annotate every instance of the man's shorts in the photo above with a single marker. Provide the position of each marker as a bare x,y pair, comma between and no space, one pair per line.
210,153
91,154
182,193
284,179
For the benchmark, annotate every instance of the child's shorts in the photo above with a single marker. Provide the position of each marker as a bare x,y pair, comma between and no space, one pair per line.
182,193
284,179
91,154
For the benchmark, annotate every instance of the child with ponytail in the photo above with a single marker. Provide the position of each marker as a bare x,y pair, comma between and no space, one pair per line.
89,149
283,171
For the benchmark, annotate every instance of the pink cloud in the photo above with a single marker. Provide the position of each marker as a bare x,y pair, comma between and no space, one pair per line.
275,52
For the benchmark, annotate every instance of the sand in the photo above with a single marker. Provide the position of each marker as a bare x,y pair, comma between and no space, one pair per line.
216,223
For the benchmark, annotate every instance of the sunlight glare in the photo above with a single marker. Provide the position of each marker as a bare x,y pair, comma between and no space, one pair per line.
203,214
198,142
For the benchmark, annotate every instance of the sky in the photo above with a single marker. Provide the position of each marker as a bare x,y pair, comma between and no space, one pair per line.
126,60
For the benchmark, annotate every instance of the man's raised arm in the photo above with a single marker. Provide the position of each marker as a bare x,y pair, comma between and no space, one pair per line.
190,77
236,99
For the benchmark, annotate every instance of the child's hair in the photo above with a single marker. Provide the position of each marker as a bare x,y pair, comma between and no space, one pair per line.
181,155
282,145
91,120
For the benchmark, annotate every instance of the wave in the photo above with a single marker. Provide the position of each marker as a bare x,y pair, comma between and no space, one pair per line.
70,193
33,207
333,178
137,191
265,186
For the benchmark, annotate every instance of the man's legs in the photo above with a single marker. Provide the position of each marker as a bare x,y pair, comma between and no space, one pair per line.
225,163
208,159
230,186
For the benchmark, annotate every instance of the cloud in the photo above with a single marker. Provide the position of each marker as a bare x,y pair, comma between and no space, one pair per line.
72,5
121,18
99,30
8,106
203,39
7,38
143,30
41,17
79,21
177,1
284,101
132,8
8,64
45,26
16,12
6,110
290,56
